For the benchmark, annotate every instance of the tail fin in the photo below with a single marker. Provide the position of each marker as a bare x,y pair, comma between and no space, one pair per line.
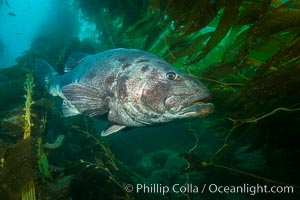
44,73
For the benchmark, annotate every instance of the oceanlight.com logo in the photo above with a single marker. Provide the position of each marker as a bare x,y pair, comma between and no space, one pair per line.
210,188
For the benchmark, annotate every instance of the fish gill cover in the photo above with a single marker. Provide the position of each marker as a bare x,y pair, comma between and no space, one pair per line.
246,52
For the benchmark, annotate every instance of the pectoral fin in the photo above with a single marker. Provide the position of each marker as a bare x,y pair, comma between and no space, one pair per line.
68,109
112,129
85,99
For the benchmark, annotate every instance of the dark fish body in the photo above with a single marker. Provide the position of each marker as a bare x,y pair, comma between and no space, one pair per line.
12,14
135,88
7,4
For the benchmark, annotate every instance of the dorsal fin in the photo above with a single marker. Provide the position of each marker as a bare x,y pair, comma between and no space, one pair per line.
75,59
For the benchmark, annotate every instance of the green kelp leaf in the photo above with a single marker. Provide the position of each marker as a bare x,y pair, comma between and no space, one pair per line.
186,16
135,10
233,49
283,55
176,49
228,18
197,45
159,47
253,33
138,34
279,20
265,5
249,13
198,15
189,46
156,5
153,36
219,70
281,85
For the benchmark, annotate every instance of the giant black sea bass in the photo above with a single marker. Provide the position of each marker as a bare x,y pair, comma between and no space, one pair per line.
133,88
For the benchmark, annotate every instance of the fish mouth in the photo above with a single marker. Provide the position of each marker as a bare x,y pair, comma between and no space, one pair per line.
199,107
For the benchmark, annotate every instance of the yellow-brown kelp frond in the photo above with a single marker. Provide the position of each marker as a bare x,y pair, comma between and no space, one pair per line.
28,86
28,189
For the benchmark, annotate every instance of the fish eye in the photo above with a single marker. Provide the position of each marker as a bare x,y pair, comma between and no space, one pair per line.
171,76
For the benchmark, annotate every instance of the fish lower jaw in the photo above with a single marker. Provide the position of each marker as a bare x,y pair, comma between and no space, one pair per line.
198,102
197,109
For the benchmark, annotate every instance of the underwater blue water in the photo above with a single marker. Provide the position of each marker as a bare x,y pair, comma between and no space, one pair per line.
23,20
17,32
